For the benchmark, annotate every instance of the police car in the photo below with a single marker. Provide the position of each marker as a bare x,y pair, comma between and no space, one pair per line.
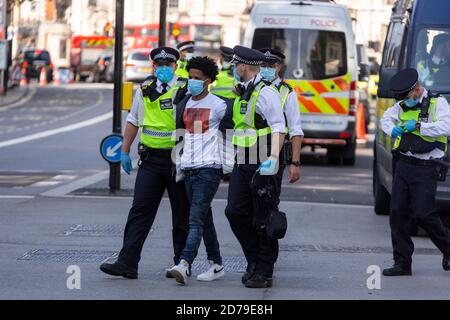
414,27
321,66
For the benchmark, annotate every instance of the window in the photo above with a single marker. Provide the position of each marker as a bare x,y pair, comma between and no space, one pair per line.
140,56
310,54
393,46
173,3
62,48
432,57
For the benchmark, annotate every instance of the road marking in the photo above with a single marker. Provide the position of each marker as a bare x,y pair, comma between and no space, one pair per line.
30,95
49,133
64,190
16,197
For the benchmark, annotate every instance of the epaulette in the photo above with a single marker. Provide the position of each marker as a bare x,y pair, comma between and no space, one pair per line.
285,84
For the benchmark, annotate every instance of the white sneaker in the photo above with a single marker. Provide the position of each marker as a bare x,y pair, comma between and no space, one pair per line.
214,272
181,272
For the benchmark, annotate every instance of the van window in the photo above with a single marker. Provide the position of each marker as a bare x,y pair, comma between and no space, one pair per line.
394,39
432,57
310,54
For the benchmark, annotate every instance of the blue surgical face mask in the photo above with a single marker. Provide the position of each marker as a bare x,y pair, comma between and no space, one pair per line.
226,65
411,102
189,56
268,73
235,74
195,86
164,73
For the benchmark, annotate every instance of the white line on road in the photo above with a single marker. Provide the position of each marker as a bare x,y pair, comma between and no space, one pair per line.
48,133
16,197
30,95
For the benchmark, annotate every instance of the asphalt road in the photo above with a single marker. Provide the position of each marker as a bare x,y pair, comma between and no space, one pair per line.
56,212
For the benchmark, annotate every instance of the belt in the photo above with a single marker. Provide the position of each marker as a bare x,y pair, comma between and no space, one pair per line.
152,152
415,161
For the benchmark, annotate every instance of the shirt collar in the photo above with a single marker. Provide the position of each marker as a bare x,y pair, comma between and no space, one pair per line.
255,79
276,81
424,94
170,84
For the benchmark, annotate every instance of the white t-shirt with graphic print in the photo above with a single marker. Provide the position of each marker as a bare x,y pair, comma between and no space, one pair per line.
201,140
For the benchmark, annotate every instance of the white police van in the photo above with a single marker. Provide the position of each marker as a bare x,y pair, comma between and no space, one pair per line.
321,66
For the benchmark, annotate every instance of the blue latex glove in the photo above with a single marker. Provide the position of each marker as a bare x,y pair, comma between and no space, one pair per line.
410,125
268,167
125,161
397,132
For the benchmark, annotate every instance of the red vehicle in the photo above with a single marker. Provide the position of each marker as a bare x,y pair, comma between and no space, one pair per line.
141,36
85,51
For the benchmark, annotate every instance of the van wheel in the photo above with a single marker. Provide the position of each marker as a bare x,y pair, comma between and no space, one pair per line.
349,155
381,195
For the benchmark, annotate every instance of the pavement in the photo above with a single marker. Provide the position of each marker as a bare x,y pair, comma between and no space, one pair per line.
57,215
14,95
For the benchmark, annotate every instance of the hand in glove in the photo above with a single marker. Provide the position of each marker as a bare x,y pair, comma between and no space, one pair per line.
397,132
125,161
268,167
410,125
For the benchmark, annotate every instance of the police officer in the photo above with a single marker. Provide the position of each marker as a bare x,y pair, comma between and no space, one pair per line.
153,110
438,60
224,85
271,71
259,131
420,123
186,50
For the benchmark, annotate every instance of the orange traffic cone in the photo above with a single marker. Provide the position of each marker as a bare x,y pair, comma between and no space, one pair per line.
24,79
43,77
360,124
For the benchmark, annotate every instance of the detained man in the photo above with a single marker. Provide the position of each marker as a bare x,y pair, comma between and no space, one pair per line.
201,164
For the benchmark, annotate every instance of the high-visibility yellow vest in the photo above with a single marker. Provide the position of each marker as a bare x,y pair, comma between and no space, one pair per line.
159,127
223,86
439,142
181,70
245,132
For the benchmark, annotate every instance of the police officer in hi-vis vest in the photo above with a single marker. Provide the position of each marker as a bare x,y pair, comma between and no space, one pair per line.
271,70
420,123
259,131
186,50
224,85
154,110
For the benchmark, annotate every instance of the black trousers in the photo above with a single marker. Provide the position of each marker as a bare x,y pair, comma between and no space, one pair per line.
257,247
154,177
413,196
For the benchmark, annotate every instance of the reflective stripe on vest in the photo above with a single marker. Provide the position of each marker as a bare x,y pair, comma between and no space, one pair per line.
159,128
245,133
414,115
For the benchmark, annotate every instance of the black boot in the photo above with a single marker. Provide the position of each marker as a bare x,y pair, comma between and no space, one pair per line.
259,281
249,272
397,270
446,263
119,269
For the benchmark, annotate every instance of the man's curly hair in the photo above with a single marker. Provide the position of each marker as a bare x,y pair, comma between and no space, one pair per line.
205,65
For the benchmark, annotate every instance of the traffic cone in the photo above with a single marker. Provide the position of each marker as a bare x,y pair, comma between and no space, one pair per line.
43,77
360,124
23,80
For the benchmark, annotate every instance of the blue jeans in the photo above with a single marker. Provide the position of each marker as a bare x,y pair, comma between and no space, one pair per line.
201,187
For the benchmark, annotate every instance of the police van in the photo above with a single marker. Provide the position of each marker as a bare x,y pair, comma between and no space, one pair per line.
321,66
415,29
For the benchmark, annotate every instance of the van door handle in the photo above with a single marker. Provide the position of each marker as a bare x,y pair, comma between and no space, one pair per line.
307,94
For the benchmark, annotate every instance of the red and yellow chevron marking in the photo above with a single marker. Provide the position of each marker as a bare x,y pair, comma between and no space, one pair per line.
318,103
